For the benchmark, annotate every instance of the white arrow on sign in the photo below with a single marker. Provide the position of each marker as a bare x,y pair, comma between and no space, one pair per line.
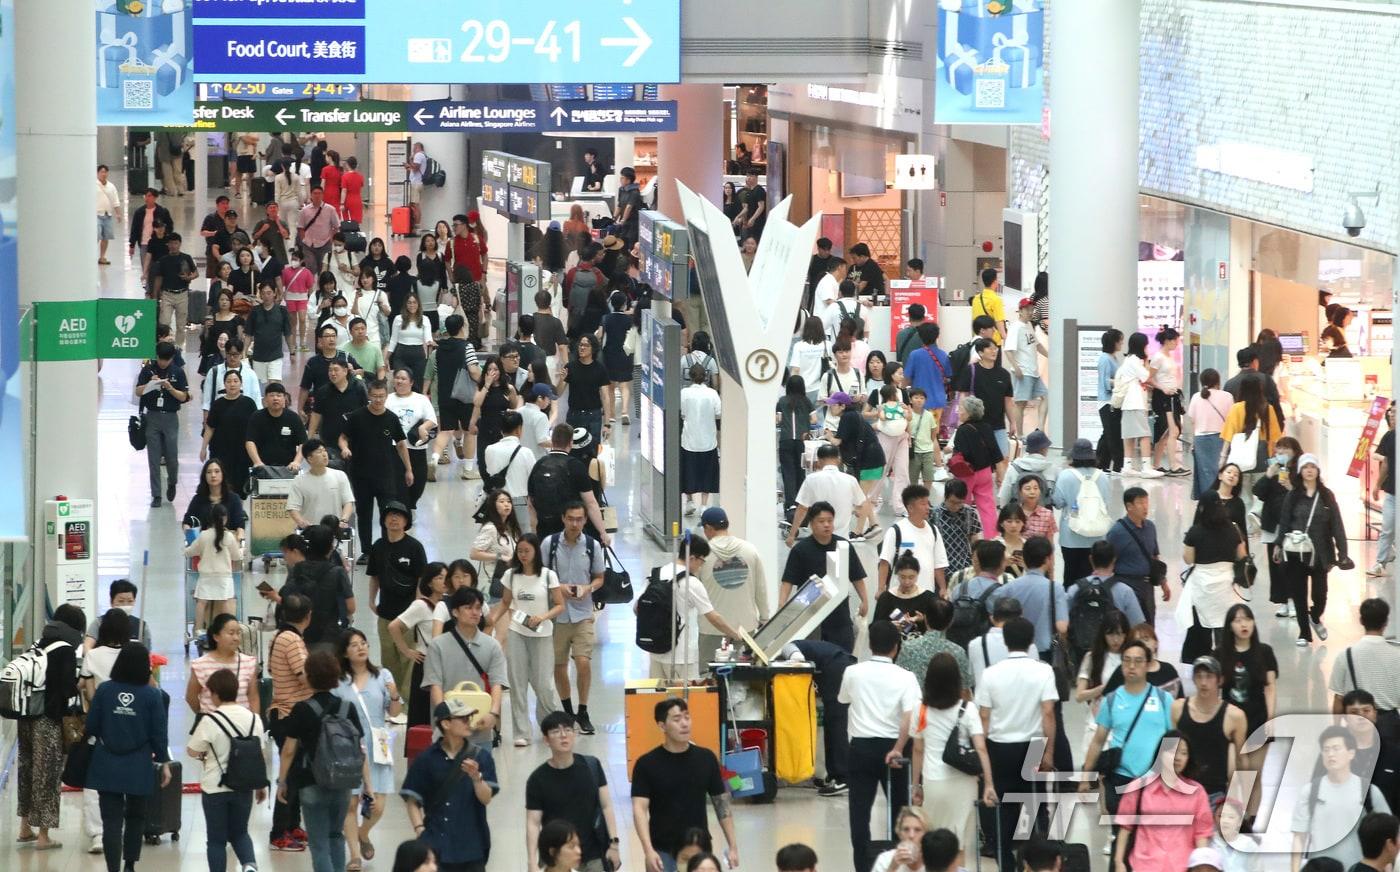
640,41
281,120
418,116
559,115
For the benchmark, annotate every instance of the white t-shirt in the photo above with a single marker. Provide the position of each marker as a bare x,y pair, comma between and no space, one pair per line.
411,410
806,358
852,382
1024,352
925,544
210,739
518,472
938,724
1135,372
535,429
829,484
827,292
1168,377
700,409
531,594
417,620
693,603
880,695
1331,827
834,315
1013,691
315,496
97,663
500,544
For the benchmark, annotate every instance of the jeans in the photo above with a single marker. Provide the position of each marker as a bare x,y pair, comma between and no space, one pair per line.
324,812
225,824
790,462
163,449
123,828
1298,574
1004,443
1205,462
589,419
1385,550
1110,447
868,773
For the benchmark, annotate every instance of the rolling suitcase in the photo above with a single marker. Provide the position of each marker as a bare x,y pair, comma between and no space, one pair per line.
401,221
198,305
163,810
137,181
259,191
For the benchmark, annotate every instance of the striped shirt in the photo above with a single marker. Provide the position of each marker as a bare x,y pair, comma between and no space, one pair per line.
1371,665
244,666
287,663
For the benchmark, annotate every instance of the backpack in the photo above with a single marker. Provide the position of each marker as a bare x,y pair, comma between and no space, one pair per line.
491,481
960,359
339,759
246,769
549,486
845,316
23,680
317,581
654,615
554,551
971,617
1088,515
1091,603
433,174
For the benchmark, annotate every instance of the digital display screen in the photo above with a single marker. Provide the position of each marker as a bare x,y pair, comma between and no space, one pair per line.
614,92
496,195
1293,343
493,166
568,92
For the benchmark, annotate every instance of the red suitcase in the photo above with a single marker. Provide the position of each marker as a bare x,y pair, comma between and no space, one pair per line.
417,740
401,221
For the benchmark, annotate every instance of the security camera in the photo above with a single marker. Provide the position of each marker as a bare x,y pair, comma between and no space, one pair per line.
1353,219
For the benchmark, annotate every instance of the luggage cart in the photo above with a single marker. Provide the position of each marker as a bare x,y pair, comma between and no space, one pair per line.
192,579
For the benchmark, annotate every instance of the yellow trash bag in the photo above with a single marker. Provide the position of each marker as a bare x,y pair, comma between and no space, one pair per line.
795,726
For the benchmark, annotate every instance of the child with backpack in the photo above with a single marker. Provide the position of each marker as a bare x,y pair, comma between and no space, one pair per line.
228,742
654,610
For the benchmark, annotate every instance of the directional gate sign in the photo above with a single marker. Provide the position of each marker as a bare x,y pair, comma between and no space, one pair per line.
435,116
437,41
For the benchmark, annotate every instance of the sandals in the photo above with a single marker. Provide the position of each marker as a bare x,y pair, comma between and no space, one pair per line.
366,850
444,459
353,866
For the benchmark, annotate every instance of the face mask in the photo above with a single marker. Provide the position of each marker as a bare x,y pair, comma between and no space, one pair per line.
1283,457
128,609
341,311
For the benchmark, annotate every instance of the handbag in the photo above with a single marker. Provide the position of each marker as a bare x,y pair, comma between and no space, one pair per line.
1245,570
463,388
136,432
1110,758
381,738
75,768
958,751
959,467
617,584
1059,657
74,729
1156,569
1298,542
629,342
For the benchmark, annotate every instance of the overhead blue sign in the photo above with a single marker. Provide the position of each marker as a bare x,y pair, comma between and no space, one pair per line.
519,117
279,92
440,42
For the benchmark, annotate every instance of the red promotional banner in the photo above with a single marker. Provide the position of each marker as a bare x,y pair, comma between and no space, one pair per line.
1362,455
903,294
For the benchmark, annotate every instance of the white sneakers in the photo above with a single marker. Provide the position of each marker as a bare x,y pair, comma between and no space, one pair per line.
1285,611
1378,570
1149,472
96,846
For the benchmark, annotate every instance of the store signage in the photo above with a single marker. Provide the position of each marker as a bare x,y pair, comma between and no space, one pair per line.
515,186
495,42
665,250
1088,345
280,91
263,112
1361,457
142,53
905,293
1258,163
988,67
914,172
88,329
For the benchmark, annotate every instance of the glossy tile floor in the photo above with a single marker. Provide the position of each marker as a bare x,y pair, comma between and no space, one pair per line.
127,527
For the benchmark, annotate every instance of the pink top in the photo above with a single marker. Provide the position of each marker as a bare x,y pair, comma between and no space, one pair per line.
206,666
1208,415
1041,522
297,282
1161,846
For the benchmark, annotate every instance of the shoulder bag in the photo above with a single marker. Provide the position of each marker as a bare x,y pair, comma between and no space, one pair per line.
958,751
1245,570
1110,758
600,821
1157,569
1299,543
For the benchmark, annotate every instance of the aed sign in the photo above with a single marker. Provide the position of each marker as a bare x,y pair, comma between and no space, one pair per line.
88,329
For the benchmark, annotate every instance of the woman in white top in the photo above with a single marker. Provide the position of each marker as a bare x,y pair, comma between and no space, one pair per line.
808,356
411,340
1166,404
344,265
1207,413
413,410
842,377
531,599
226,811
1097,667
225,637
495,542
1130,386
370,689
945,794
370,303
219,554
416,623
291,181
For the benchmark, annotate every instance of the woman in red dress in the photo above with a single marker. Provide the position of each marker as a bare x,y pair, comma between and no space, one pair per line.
352,182
330,180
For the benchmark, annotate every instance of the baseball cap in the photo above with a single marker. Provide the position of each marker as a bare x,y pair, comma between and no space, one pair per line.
715,517
1206,662
1026,303
451,708
840,398
1207,856
543,391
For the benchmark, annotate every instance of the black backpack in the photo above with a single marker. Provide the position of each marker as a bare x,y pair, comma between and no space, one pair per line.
654,610
318,580
246,769
491,481
433,174
854,316
549,485
971,617
1091,602
960,358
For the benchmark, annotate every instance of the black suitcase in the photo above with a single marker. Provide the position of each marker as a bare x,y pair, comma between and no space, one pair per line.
259,191
163,810
198,308
137,181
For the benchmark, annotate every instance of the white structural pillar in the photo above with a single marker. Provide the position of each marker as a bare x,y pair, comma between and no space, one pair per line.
1093,177
449,150
57,153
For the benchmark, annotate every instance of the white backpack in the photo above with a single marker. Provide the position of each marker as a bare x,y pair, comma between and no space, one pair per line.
1089,516
23,680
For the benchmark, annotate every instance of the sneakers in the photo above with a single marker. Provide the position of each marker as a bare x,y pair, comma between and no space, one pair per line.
1303,643
1129,471
1319,630
397,720
362,560
522,742
1376,571
1147,472
1179,472
626,421
1108,848
432,472
1284,611
940,474
832,788
170,492
155,502
870,532
96,846
585,726
288,843
299,834
471,473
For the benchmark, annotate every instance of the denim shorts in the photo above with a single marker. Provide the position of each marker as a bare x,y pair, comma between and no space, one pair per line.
1029,387
106,227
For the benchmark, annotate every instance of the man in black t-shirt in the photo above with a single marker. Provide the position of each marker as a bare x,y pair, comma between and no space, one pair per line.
809,557
866,272
557,480
225,239
818,267
274,434
394,563
170,284
370,440
992,385
629,206
160,407
754,215
315,374
1383,492
333,402
669,786
572,787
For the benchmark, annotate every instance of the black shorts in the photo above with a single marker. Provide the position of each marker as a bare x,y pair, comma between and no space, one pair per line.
453,415
247,163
